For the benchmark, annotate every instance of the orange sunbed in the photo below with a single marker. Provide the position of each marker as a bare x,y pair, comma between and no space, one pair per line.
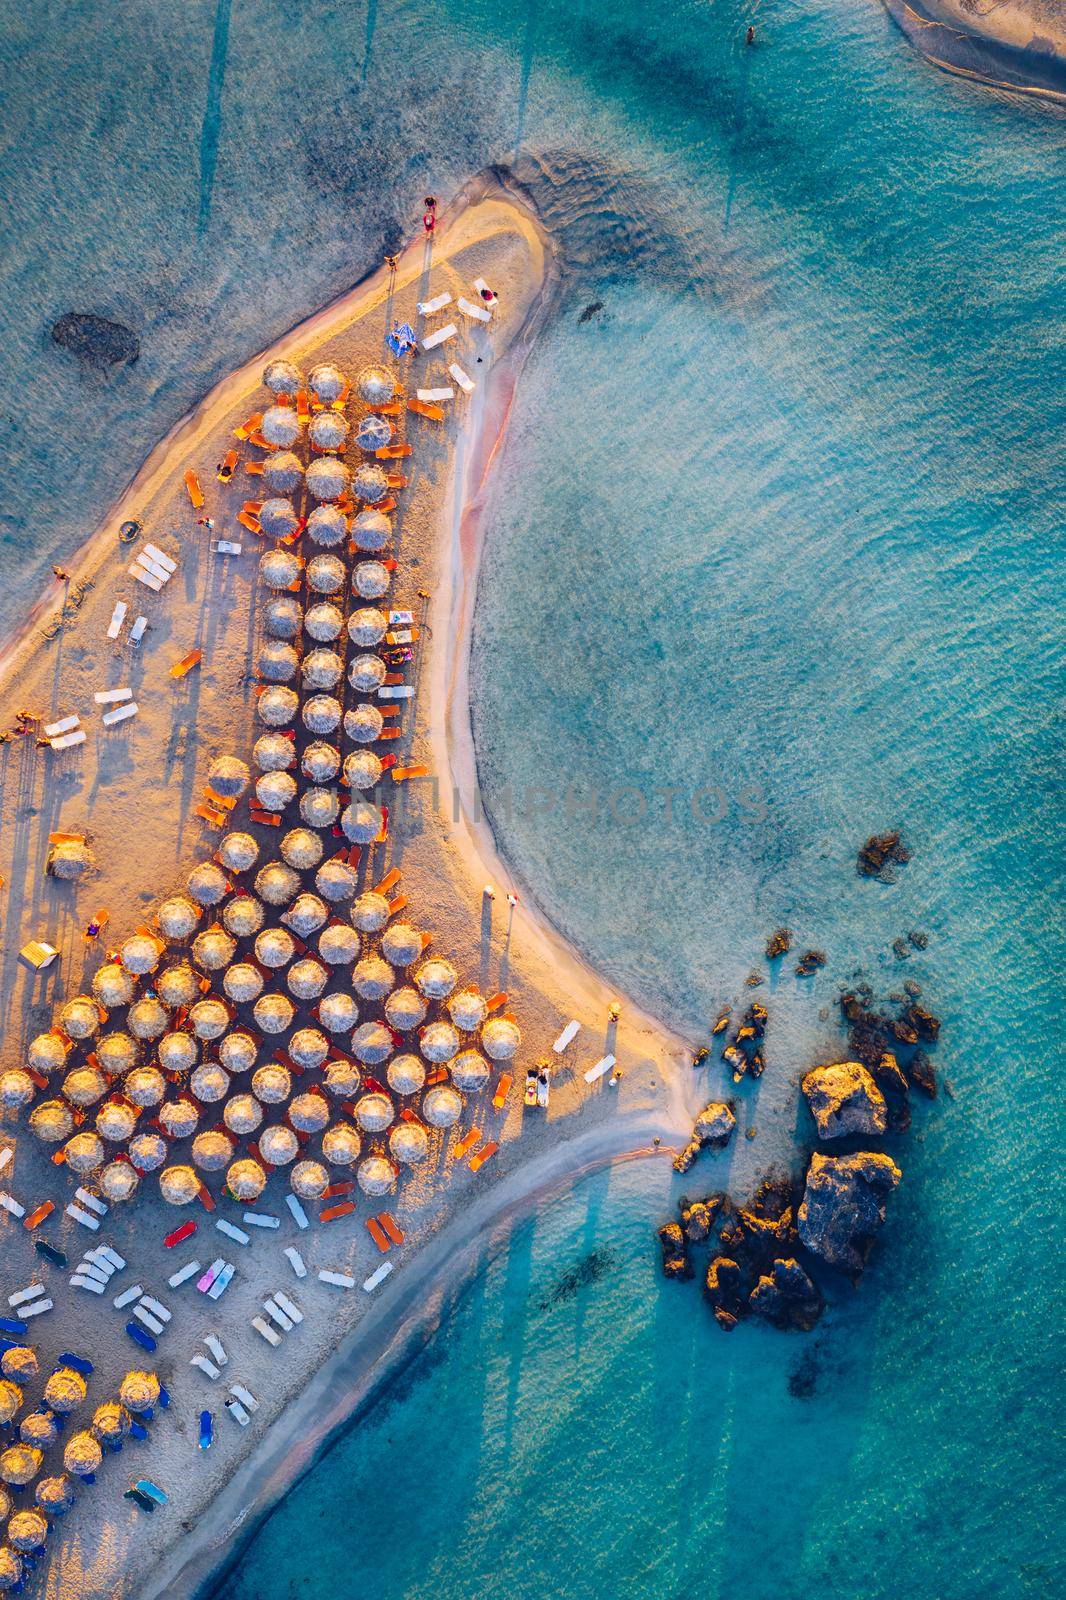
254,469
373,1227
503,1089
249,521
467,1142
217,819
303,408
397,904
383,832
331,1213
66,838
396,480
99,921
393,409
227,467
260,443
196,494
270,819
390,733
392,679
427,940
335,1190
205,1199
477,1162
186,664
390,1226
389,711
248,427
401,774
223,801
393,452
438,1075
39,1213
422,408
391,877
497,1000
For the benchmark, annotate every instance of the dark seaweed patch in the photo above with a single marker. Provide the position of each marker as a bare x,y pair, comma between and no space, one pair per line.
594,1266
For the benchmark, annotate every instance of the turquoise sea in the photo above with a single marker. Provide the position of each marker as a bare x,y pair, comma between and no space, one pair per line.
777,530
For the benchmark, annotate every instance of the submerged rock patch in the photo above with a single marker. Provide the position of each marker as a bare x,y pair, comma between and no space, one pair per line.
96,341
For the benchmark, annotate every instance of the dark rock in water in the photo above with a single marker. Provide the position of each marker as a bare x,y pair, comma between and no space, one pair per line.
754,979
95,340
843,1206
725,1290
676,1263
901,949
912,988
904,1032
778,944
925,1025
880,852
712,1128
893,1085
844,1100
589,1270
787,1297
721,1021
698,1217
803,1379
590,311
809,962
921,1074
918,939
756,1066
735,1058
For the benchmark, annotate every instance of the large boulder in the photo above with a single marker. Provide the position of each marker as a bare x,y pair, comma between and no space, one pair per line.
845,1101
713,1128
889,1077
843,1206
675,1255
787,1297
725,1288
698,1216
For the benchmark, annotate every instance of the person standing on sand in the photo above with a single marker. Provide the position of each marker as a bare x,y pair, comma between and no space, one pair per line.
61,574
429,220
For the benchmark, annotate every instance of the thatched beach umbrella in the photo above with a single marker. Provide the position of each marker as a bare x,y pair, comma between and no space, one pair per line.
80,1017
118,1181
325,574
239,852
309,1179
371,1043
306,979
207,883
238,1051
18,1362
327,526
178,1051
500,1038
272,1084
327,382
361,822
373,1112
274,947
275,790
281,376
210,1082
405,1009
281,427
376,386
363,724
17,1088
321,714
328,431
209,1018
320,807
213,949
243,916
366,673
10,1568
273,1013
82,1455
321,669
372,978
243,983
367,626
369,484
406,1074
179,1118
179,1186
245,1180
341,1145
47,1053
147,1018
84,1152
338,1013
469,1071
306,915
65,1391
276,883
273,752
242,1115
229,776
39,1428
145,1087
141,954
338,944
362,770
371,530
282,472
278,1145
139,1391
84,1086
308,1047
55,1495
116,1053
115,1122
278,520
442,1106
320,761
111,1423
374,433
27,1531
342,1078
20,1464
328,479
401,944
279,569
112,985
436,978
277,707
409,1143
376,1176
10,1401
324,621
277,662
439,1042
176,985
336,881
283,615
370,912
70,860
467,1010
309,1113
302,848
371,580
211,1151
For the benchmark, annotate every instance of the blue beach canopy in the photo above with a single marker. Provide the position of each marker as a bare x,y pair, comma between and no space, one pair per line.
401,339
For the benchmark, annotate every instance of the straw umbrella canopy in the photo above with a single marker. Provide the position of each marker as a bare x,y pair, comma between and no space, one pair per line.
366,673
65,1391
10,1568
322,669
145,1087
80,1018
117,1181
239,851
238,1051
500,1038
324,621
278,662
338,1012
436,978
139,1391
283,614
242,1115
176,985
141,954
273,1012
243,983
211,1151
342,1078
179,1118
308,1047
361,822
55,1495
275,790
370,912
272,1084
319,807
325,574
19,1362
327,478
470,1071
84,1152
229,776
439,1042
406,1074
116,1053
179,1185
281,377
327,526
178,1051
10,1401
442,1106
309,1179
210,1083
376,386
213,949
279,569
306,979
70,860
20,1464
341,1145
371,1043
115,1122
372,978
374,433
82,1454
371,530
320,762
371,580
309,1113
362,769
278,1145
27,1530
363,724
245,1179
405,1009
282,472
277,520
47,1053
209,1019
401,945
328,431
338,944
409,1143
336,881
367,626
17,1088
207,884
275,947
84,1086
146,1018
467,1010
369,483
322,713
302,848
376,1176
111,1422
243,916
277,707
374,1112
178,917
306,915
277,883
281,427
112,985
328,382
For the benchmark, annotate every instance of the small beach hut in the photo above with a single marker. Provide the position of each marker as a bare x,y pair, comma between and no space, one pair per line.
401,945
376,1176
469,1071
363,724
366,673
306,979
439,1042
409,1143
145,1087
210,1082
84,1152
115,1121
82,1455
84,1086
369,484
55,1495
278,1145
442,1106
243,916
342,1078
436,978
373,1112
47,1053
80,1017
500,1038
366,627
242,1115
207,883
328,431
336,881
306,915
245,1179
371,580
277,520
70,860
209,1018
370,912
279,569
274,947
211,1150
117,1181
372,978
277,662
282,616
302,848
321,669
239,852
371,1043
280,427
112,985
405,1009
238,1051
309,1179
309,1113
308,1048
179,1186
320,807
27,1530
374,433
177,985
242,983
467,1010
320,761
328,479
376,386
321,714
406,1074
275,790
139,1391
272,752
65,1391
17,1088
371,530
327,382
338,944
116,1053
273,1013
277,707
325,574
277,883
341,1145
338,1013
361,822
324,622
282,472
282,377
20,1464
229,776
213,949
272,1084
178,1118
111,1423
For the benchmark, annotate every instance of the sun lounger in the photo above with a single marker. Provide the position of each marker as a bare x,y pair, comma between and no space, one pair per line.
69,740
340,1280
227,466
436,396
568,1034
31,1292
154,566
393,452
603,1065
296,1261
260,1219
396,691
156,1307
120,714
127,1297
244,1396
390,1227
237,1411
331,1213
232,1231
139,1498
37,1308
249,520
145,577
221,1283
422,408
402,774
38,1214
183,1274
12,1325
112,697
426,308
79,1215
186,664
476,313
248,427
267,1331
465,382
50,1252
373,1227
483,290
440,336
179,1234
192,484
81,1281
467,1142
55,730
140,1336
207,1430
335,1190
291,1310
486,1152
299,1215
205,1366
278,1317
153,1324
503,1089
137,631
118,617
160,557
377,1276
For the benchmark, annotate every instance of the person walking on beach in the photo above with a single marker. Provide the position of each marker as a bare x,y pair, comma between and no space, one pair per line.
61,574
429,220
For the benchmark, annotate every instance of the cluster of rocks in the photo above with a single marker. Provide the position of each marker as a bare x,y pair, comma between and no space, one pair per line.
712,1130
95,340
880,853
891,1046
743,1050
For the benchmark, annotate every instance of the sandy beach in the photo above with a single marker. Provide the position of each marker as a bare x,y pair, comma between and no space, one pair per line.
1018,45
139,783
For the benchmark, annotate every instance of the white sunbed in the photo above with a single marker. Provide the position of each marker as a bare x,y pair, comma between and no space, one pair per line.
64,725
208,1368
468,309
290,1309
299,1215
260,1219
137,631
183,1274
426,308
112,697
276,1315
160,557
434,396
119,714
401,619
396,691
232,1231
465,382
21,1296
568,1033
378,1275
36,1309
603,1065
144,576
79,1281
11,1205
5,1157
86,1220
153,1324
244,1396
296,1261
91,1269
69,740
483,289
434,339
237,1411
215,1346
156,568
267,1331
118,617
156,1307
127,1297
106,1249
341,1280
